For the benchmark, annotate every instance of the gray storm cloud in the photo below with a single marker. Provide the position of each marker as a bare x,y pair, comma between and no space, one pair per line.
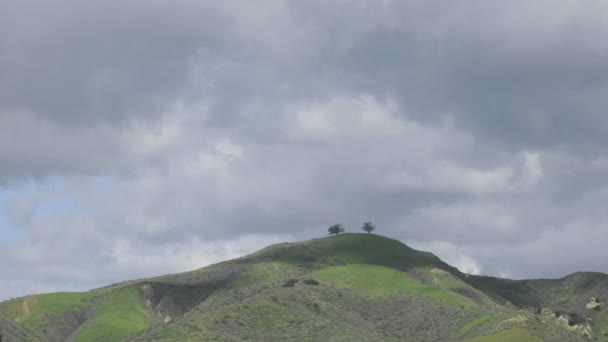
145,137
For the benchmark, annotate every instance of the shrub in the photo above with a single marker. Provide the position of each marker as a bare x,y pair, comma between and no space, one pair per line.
310,282
290,283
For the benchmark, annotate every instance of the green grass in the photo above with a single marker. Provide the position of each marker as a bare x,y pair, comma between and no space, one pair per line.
443,278
48,304
380,281
120,314
475,323
601,323
265,314
353,249
31,310
561,293
12,309
511,335
265,273
371,289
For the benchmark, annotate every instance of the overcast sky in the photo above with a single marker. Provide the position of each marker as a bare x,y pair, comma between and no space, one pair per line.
143,137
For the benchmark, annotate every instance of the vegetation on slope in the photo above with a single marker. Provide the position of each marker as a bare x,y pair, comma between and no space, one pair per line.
11,331
54,315
89,316
351,249
349,287
381,281
510,335
118,315
562,299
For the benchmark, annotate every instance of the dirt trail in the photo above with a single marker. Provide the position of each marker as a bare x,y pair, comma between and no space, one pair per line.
26,310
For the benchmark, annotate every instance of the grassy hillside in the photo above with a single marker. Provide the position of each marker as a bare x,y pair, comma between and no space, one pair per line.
566,298
12,331
351,287
89,316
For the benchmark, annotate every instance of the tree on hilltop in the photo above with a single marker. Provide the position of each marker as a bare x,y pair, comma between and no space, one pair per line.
335,229
368,227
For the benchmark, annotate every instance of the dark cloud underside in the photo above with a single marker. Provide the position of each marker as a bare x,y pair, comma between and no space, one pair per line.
146,137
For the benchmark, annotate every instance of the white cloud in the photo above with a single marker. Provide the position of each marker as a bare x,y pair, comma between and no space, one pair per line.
449,176
451,254
466,264
342,118
472,221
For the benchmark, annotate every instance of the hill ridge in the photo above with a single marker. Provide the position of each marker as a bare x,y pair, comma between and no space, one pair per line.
351,287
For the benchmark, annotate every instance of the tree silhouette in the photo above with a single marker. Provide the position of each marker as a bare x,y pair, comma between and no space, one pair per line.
335,229
368,227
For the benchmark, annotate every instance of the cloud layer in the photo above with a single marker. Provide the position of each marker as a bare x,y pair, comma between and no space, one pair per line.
144,137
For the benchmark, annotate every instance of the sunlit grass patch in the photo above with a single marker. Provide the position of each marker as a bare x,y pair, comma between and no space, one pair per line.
380,281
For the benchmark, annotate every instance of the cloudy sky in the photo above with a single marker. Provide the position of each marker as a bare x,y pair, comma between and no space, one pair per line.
142,137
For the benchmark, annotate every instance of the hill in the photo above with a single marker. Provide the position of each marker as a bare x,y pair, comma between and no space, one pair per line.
350,287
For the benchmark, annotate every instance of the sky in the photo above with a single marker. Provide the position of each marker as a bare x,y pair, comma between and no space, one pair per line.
144,137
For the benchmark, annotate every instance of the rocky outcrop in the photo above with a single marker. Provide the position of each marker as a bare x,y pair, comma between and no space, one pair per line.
570,321
594,304
171,301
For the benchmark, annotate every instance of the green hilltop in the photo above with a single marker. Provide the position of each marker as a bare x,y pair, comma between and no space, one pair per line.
349,287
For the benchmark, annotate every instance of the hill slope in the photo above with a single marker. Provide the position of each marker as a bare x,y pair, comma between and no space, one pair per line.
351,287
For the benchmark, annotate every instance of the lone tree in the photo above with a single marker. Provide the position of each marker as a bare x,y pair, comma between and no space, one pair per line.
335,229
368,227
